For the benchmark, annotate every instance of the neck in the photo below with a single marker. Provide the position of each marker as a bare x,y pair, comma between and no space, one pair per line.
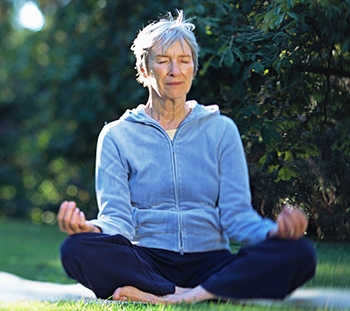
169,114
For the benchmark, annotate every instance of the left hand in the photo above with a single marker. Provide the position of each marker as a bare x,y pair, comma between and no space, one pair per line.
292,224
71,220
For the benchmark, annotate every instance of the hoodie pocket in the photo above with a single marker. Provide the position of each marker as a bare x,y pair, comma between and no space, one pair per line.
152,222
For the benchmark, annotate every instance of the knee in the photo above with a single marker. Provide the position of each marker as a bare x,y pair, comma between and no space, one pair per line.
302,253
305,249
307,252
71,247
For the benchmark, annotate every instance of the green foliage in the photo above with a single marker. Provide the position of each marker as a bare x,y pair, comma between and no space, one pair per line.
280,69
61,85
320,189
325,181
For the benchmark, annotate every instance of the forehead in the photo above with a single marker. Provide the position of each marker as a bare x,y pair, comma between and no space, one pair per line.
178,47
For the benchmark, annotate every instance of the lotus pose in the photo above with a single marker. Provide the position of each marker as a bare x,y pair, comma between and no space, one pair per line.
172,189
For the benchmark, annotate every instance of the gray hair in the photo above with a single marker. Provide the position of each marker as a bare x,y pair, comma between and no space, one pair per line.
168,32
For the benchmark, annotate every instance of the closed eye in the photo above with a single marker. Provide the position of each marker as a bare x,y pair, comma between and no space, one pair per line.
161,59
186,59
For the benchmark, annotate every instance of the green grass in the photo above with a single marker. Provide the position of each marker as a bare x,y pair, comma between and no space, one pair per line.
333,268
32,252
113,306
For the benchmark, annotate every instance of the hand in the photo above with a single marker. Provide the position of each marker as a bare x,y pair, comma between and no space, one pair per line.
292,224
71,220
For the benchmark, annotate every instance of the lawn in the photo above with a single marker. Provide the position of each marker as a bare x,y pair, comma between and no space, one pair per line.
32,252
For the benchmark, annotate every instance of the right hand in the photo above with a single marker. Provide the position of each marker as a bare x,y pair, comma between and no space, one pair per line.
292,224
71,220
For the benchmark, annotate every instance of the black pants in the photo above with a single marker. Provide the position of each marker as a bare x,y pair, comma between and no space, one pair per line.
271,269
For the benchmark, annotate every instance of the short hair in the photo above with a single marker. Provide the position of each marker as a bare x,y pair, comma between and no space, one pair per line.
167,31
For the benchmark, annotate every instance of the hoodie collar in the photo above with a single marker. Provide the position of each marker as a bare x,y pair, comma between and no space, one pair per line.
138,114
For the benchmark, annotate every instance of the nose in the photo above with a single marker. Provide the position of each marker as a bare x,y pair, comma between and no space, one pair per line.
174,69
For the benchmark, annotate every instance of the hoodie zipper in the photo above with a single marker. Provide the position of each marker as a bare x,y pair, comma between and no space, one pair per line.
177,198
173,155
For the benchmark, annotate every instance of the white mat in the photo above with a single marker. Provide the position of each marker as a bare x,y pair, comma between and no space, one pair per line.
13,288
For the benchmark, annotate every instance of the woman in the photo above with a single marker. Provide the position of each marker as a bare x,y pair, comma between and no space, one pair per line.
172,189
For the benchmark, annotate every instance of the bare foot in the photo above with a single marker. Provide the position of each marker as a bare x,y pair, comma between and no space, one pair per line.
181,290
190,296
130,293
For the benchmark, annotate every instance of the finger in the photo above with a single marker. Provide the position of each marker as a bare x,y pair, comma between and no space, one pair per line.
299,219
295,223
282,231
66,211
287,209
73,224
301,223
82,221
61,214
289,222
68,215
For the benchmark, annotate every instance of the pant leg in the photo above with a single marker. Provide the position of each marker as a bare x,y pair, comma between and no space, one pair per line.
271,269
103,263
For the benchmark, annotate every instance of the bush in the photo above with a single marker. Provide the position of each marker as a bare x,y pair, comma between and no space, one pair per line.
321,190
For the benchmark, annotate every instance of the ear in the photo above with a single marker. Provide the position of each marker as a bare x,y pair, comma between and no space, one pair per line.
144,72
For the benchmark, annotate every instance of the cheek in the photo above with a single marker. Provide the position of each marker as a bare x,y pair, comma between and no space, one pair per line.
157,73
190,72
190,76
155,81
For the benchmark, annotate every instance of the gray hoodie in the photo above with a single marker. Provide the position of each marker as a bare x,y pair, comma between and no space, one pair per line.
189,194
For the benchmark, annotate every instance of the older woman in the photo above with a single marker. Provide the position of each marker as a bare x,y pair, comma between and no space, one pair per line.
172,189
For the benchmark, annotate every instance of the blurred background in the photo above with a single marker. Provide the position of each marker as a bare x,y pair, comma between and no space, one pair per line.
279,69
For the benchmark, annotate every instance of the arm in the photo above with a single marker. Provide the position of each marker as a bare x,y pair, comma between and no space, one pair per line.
113,196
112,188
239,220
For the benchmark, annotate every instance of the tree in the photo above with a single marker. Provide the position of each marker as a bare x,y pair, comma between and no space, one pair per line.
280,69
67,81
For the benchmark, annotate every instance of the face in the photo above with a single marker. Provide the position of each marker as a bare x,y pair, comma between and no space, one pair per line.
170,73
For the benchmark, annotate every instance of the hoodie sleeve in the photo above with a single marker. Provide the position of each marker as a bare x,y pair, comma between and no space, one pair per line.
112,189
239,220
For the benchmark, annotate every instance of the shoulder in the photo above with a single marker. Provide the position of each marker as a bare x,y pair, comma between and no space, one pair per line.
222,122
124,123
211,117
110,128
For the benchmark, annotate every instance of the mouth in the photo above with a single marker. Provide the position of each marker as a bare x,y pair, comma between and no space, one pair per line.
174,83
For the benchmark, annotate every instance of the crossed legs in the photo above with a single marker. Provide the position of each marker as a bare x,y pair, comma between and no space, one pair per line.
114,268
